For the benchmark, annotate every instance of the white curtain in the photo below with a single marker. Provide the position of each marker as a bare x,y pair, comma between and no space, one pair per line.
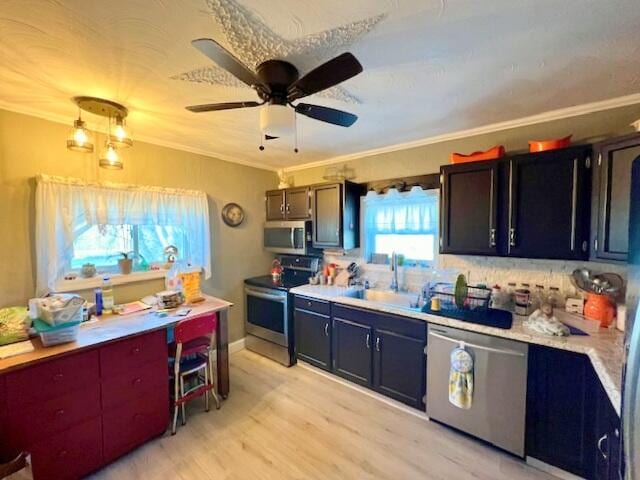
402,213
65,205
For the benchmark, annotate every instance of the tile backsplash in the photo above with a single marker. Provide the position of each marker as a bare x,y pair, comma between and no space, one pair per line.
483,270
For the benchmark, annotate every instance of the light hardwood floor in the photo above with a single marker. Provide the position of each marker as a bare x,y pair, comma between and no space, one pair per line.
281,423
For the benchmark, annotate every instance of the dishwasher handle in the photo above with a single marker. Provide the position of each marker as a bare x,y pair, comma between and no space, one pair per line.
476,346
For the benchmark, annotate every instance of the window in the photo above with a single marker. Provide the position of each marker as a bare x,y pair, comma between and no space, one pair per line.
79,222
405,223
103,245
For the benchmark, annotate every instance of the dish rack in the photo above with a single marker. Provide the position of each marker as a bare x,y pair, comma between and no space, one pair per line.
477,298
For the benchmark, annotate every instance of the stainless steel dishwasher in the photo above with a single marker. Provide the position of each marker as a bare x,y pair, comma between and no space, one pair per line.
497,413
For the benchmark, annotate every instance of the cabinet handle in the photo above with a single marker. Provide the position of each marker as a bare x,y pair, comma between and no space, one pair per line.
512,237
492,237
288,207
377,344
368,340
282,208
309,304
600,440
326,329
574,201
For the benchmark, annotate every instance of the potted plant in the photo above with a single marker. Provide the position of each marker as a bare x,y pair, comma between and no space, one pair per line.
126,262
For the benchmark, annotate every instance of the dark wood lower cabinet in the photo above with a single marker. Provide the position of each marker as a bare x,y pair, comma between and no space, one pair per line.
379,351
399,367
313,337
352,358
608,462
561,410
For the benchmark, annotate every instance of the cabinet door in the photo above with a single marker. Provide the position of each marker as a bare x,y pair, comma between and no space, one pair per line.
469,208
275,205
313,338
611,193
352,351
297,203
607,438
327,215
399,367
560,428
548,205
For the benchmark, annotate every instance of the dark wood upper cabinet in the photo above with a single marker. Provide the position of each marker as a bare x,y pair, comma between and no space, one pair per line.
297,204
534,205
335,211
469,211
289,204
548,204
275,205
611,193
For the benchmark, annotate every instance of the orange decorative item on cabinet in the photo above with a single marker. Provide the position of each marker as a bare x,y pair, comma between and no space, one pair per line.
600,308
544,145
491,154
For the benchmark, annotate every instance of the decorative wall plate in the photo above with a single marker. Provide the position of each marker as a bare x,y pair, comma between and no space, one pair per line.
232,214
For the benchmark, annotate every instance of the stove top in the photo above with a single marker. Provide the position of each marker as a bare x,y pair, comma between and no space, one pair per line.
286,283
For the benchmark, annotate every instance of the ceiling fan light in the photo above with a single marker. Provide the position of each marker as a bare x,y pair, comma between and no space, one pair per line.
79,139
277,120
121,137
109,158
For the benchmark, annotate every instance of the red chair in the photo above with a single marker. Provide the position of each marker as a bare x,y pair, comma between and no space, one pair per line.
191,355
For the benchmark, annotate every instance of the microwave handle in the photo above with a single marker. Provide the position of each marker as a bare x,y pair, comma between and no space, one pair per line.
293,238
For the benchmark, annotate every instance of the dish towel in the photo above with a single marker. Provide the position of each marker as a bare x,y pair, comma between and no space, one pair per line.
461,378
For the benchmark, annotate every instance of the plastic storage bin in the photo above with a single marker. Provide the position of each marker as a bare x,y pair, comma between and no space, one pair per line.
54,335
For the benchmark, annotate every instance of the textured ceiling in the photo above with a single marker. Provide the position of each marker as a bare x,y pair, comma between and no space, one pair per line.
430,66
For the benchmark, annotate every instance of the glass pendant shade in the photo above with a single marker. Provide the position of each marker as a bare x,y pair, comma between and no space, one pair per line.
109,157
121,137
79,139
277,120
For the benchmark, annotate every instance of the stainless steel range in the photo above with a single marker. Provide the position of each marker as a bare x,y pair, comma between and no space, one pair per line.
269,308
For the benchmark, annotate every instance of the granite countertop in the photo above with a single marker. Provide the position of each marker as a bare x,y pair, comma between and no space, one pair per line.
605,348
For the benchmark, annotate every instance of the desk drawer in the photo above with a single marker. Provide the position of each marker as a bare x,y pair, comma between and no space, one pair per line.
311,304
31,423
69,455
131,385
135,422
126,355
51,379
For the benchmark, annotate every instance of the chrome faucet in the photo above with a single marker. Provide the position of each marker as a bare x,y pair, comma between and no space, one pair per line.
394,271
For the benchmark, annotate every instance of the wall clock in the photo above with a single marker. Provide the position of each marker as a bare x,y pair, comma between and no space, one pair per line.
232,214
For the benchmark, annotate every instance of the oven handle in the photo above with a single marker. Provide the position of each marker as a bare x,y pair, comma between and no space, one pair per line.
266,296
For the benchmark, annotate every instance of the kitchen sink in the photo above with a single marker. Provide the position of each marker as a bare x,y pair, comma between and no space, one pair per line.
388,297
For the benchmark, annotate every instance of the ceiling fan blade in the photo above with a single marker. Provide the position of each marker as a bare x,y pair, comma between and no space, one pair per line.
213,107
327,75
326,114
223,58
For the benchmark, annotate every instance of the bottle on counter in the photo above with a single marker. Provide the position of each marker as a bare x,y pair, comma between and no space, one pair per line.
554,298
538,297
511,296
98,299
107,295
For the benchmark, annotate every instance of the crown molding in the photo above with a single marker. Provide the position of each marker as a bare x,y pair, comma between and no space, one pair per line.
65,120
548,116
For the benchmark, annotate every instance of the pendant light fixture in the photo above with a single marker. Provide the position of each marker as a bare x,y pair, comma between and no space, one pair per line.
79,139
109,157
121,137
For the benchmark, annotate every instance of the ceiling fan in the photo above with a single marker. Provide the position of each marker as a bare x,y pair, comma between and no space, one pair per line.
278,84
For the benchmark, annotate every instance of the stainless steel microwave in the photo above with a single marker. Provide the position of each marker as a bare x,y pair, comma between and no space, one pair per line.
293,237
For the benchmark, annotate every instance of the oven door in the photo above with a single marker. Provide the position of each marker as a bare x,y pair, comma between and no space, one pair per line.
267,314
285,237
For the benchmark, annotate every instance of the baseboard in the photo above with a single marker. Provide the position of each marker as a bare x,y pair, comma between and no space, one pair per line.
236,346
365,391
555,471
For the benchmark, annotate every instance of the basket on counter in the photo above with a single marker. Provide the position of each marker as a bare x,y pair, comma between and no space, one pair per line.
56,334
477,298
